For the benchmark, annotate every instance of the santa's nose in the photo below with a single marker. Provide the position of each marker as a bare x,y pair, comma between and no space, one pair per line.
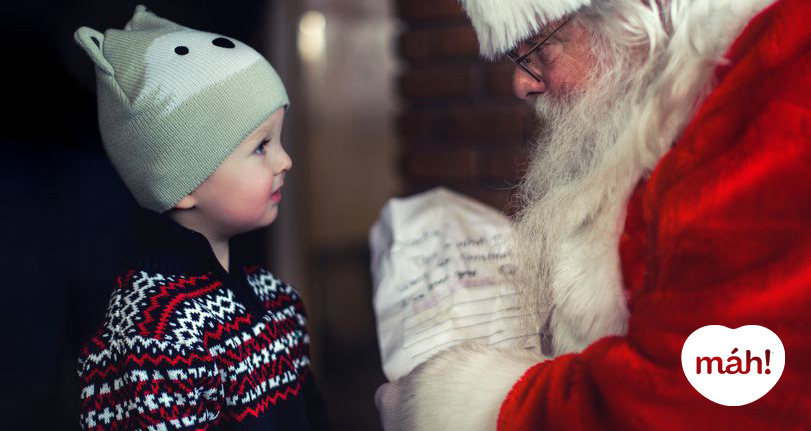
524,85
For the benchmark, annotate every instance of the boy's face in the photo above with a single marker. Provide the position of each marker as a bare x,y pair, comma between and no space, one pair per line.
244,192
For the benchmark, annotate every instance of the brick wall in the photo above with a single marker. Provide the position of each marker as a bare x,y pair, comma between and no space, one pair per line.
460,125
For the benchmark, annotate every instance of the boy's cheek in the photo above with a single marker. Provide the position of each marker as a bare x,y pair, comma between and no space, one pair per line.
252,206
242,203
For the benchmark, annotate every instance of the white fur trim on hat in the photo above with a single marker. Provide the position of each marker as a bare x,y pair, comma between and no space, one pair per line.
501,24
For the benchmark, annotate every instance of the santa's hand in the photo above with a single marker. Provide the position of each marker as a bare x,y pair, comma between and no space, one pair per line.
459,388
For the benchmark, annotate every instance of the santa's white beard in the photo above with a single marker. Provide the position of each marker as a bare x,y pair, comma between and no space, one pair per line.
573,200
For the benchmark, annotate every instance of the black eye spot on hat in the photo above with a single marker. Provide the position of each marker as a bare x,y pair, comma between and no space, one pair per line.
181,50
223,42
96,41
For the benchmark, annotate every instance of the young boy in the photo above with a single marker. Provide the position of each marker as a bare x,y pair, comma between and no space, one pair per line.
193,339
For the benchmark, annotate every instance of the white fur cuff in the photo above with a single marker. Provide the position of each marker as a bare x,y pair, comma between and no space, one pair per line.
463,387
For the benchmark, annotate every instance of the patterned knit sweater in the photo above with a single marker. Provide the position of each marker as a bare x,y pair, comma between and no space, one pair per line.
187,345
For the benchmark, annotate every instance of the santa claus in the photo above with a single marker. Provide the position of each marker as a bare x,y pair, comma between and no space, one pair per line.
670,189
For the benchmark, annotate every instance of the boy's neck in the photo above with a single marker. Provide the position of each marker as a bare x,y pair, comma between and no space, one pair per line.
221,251
218,245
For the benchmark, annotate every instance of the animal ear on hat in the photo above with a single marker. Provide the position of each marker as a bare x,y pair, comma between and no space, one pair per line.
92,42
145,19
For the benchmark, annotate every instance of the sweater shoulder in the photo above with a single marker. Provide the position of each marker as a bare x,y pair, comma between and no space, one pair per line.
272,291
169,309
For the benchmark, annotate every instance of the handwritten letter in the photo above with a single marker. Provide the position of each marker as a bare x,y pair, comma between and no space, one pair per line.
442,265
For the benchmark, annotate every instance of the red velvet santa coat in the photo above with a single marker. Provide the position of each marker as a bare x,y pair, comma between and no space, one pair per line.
719,235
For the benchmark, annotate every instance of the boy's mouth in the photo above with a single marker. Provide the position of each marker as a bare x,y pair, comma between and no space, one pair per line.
277,195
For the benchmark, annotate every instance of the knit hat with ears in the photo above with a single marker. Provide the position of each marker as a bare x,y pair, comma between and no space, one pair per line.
501,24
174,102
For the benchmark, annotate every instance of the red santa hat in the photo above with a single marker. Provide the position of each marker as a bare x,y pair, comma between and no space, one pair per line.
501,24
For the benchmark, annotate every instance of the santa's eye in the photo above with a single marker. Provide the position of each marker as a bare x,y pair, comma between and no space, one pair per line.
548,52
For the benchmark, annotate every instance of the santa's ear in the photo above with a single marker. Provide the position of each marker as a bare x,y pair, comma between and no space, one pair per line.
92,42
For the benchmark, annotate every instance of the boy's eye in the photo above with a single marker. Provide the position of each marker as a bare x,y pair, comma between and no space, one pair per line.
261,148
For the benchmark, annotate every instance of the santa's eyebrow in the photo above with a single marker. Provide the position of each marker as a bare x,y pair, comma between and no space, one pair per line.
543,33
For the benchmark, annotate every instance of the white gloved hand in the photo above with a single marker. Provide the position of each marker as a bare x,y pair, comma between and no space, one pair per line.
389,404
461,387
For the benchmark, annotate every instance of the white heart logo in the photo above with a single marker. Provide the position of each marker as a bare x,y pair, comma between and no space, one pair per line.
733,367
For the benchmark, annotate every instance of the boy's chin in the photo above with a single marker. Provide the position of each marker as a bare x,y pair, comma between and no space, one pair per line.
253,223
270,216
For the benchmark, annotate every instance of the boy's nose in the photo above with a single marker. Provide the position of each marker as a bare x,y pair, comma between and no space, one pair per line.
525,85
284,162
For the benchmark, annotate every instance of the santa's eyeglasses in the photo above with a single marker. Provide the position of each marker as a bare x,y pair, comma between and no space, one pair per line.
525,59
